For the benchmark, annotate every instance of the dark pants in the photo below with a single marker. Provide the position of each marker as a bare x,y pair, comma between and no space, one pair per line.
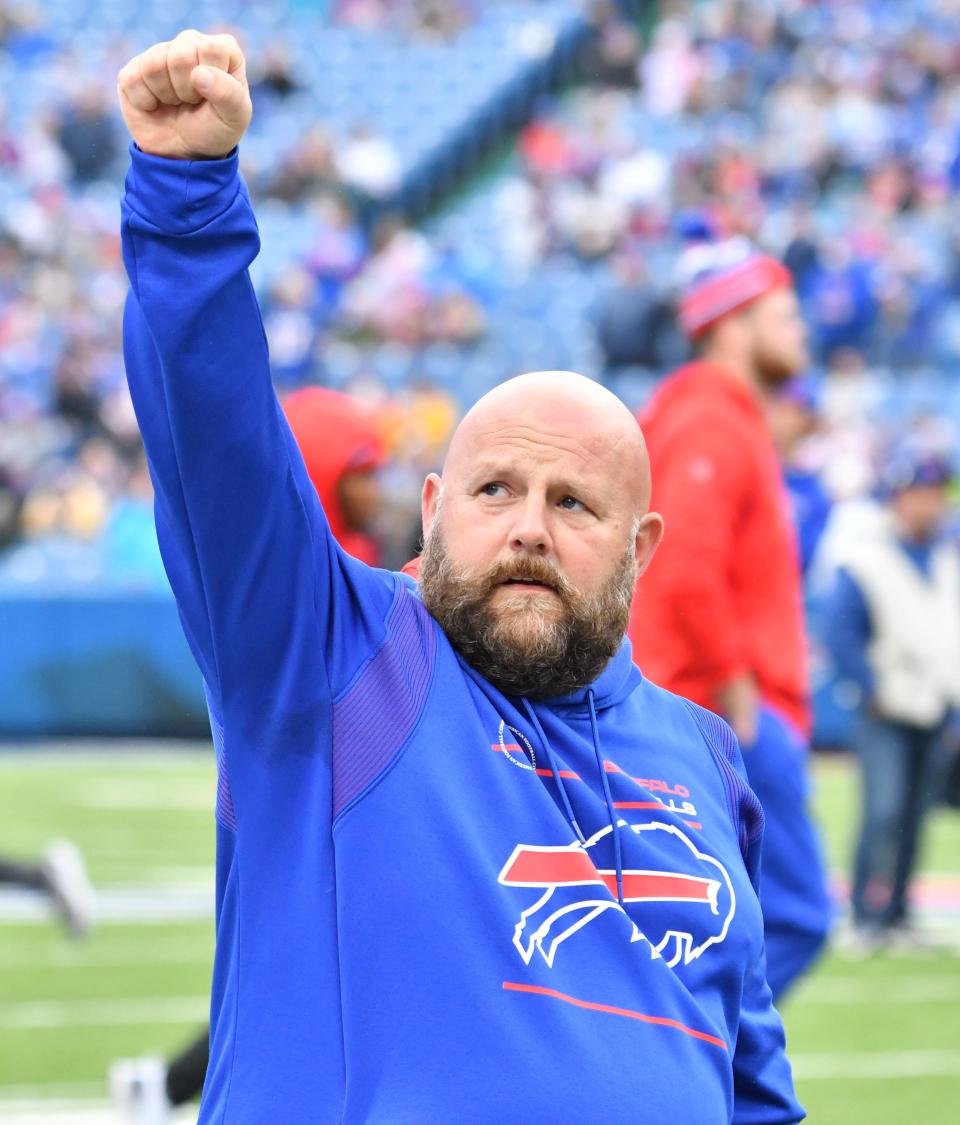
794,894
14,873
186,1073
900,771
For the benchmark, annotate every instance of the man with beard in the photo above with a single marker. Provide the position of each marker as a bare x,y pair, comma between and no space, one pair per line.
471,866
719,617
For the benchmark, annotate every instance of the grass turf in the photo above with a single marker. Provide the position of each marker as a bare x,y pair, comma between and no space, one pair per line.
874,1041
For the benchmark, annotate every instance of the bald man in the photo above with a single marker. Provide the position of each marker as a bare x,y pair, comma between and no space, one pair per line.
471,866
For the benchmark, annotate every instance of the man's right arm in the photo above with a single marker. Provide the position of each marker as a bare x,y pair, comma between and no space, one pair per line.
254,568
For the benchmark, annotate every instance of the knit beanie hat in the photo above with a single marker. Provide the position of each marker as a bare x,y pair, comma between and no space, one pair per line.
720,278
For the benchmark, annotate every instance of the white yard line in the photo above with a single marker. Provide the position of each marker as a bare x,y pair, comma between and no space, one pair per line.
119,904
36,1015
876,1064
917,989
90,1090
93,956
146,794
130,754
62,1112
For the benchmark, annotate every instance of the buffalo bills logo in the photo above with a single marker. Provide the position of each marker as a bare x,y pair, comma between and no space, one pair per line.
680,905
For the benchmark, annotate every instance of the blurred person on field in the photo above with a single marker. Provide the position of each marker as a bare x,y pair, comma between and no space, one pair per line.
893,628
794,415
719,615
59,875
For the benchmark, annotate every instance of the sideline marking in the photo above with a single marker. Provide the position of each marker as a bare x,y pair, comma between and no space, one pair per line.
36,1015
916,989
95,960
876,1064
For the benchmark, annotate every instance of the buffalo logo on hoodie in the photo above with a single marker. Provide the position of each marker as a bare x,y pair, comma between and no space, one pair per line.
679,906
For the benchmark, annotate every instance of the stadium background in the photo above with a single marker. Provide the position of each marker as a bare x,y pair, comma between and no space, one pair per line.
449,192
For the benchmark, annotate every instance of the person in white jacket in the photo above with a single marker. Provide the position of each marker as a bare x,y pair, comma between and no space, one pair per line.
893,627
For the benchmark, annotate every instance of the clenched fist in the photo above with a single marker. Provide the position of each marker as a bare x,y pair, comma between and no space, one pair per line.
187,99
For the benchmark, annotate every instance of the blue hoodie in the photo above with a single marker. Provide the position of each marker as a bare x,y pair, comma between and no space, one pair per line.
435,903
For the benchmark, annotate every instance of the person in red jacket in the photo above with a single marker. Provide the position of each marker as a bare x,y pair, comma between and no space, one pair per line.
342,451
719,615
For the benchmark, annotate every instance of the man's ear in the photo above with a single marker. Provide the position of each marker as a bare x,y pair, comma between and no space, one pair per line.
430,502
649,534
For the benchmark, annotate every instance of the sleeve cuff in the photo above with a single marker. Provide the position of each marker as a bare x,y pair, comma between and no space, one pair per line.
181,196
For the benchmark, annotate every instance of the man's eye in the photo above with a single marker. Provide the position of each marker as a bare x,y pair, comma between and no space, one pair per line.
571,503
492,489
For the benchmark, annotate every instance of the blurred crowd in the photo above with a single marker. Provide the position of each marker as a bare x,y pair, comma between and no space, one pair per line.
441,19
75,496
827,132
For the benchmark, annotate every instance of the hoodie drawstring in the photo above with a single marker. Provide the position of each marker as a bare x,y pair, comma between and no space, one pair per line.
568,808
562,789
611,812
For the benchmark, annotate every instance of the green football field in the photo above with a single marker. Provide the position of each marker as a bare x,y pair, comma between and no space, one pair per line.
873,1041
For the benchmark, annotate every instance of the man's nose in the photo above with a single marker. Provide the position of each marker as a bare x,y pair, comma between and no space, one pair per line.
530,531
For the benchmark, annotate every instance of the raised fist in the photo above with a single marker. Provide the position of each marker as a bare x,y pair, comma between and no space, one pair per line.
187,99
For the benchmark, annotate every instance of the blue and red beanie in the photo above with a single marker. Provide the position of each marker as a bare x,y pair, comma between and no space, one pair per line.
721,278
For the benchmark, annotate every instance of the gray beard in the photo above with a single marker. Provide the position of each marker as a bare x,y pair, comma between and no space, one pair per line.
563,653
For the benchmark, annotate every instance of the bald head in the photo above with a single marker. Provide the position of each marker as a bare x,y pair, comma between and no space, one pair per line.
565,410
536,532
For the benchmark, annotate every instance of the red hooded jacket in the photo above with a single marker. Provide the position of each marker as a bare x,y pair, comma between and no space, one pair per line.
336,436
723,593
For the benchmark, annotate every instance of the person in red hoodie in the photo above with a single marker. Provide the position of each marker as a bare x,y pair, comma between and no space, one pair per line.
719,615
342,451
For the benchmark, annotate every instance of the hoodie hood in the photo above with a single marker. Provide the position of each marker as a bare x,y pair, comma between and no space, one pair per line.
336,436
620,677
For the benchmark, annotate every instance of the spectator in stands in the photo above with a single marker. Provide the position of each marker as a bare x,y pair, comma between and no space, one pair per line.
893,626
129,552
292,326
369,165
614,48
10,502
309,170
336,253
409,294
428,18
670,69
719,615
635,323
88,134
839,148
275,75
